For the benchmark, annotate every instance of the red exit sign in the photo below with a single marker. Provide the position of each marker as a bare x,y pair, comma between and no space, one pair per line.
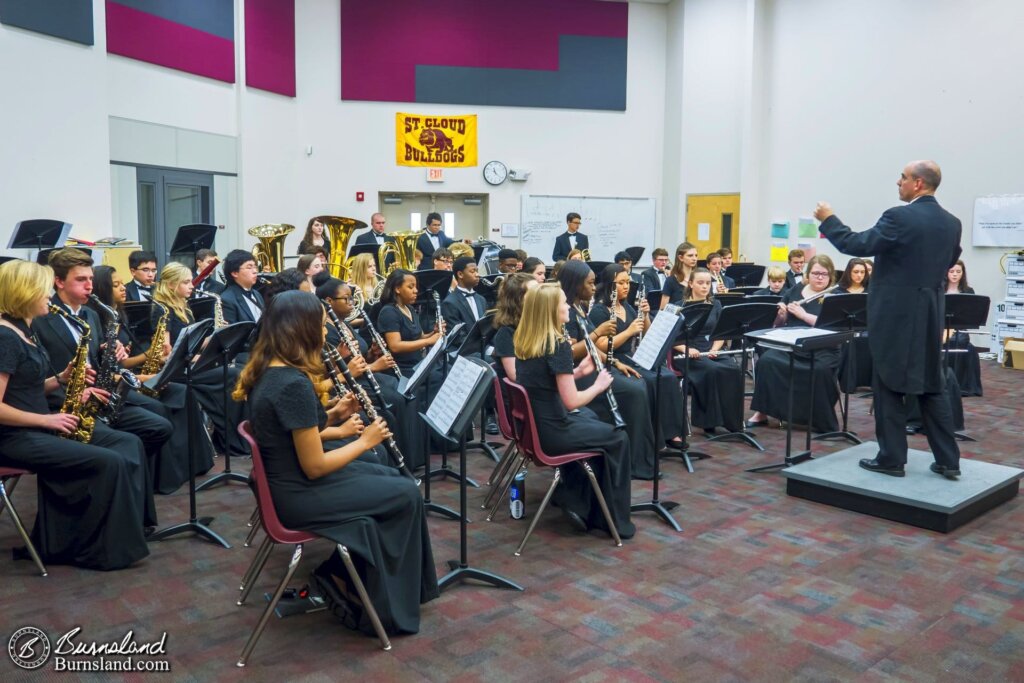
435,175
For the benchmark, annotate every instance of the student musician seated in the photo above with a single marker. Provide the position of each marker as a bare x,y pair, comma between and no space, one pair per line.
577,281
721,283
507,313
204,257
364,278
90,495
239,300
855,280
142,265
612,300
369,508
966,366
776,283
771,384
674,290
544,367
535,267
715,382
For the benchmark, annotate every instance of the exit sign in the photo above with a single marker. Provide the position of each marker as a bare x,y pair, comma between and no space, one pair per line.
435,175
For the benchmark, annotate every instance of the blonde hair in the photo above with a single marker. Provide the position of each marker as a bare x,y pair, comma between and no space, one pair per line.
360,276
539,329
171,276
460,249
22,284
825,262
776,273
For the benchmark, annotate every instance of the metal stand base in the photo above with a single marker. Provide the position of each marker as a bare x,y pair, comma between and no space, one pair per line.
687,456
445,472
848,435
738,436
463,572
790,460
196,526
660,509
225,477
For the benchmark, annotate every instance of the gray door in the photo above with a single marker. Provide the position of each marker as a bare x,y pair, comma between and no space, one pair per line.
168,199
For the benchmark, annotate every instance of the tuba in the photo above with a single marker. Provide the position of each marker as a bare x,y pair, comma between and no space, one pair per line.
339,231
403,249
269,252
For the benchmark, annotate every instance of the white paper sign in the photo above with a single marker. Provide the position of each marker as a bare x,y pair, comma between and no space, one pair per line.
703,232
454,393
998,221
647,354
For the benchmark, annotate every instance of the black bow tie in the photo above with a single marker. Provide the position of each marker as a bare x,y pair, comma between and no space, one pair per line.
144,288
468,295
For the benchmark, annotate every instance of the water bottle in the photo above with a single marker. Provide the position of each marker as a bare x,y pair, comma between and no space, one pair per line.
517,495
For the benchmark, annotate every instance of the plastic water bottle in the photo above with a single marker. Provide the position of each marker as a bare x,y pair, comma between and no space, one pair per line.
517,495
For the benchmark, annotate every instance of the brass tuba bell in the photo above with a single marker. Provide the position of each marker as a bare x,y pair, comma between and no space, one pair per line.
339,230
404,250
269,251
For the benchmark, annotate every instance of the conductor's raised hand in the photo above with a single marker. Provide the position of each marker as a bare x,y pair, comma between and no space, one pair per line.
823,211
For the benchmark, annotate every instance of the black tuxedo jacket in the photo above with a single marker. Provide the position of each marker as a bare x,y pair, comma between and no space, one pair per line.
60,344
210,284
791,280
651,280
234,306
563,247
426,247
913,247
132,291
455,309
369,238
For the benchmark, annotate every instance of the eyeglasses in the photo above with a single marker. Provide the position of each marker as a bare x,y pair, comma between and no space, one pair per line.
146,270
818,274
445,261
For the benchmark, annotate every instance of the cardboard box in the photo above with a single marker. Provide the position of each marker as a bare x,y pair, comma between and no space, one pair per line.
1013,353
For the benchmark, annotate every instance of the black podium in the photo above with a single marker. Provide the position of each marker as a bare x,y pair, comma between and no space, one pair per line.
844,312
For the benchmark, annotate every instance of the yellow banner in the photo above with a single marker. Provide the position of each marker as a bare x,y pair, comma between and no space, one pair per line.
441,141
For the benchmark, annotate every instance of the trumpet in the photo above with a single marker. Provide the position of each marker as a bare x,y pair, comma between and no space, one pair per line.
720,287
613,404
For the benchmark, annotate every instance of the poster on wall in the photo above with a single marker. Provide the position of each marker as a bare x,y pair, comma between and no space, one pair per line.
439,141
999,221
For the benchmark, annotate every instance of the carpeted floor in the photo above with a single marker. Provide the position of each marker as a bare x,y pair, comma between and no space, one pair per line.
757,587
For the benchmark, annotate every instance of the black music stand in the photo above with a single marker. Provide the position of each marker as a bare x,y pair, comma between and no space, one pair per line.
39,233
963,312
203,307
654,300
734,324
473,346
657,506
138,317
598,266
693,318
357,249
472,399
746,290
189,341
635,253
762,298
809,345
191,238
224,345
407,385
844,312
730,299
746,274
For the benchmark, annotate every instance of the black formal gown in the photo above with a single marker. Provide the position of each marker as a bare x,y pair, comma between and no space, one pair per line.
716,385
631,395
564,432
771,379
859,375
674,290
669,408
90,496
371,509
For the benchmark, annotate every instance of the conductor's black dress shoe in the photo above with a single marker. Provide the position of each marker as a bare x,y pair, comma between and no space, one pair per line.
875,466
947,472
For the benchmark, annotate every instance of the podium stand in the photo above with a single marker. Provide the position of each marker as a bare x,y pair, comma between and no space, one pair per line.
844,312
449,415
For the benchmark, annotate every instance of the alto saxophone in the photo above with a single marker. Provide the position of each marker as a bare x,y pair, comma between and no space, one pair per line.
218,310
110,369
73,404
155,352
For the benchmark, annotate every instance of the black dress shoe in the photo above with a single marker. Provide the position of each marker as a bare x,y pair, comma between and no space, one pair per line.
755,423
947,472
576,521
875,466
492,427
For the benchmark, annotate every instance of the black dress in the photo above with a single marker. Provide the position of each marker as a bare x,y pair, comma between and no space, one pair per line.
860,374
716,385
670,399
631,395
371,509
966,365
771,379
564,432
90,496
674,290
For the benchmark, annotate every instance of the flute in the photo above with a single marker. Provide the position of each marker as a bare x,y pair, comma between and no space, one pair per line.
815,296
705,354
613,404
353,348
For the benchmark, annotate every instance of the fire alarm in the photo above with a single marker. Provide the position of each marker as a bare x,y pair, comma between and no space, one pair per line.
359,196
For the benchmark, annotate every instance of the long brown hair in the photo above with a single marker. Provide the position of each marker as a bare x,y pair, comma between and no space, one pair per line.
291,331
509,307
681,276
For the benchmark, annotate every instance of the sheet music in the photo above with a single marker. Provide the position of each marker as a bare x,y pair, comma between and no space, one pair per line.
648,352
428,360
791,335
454,393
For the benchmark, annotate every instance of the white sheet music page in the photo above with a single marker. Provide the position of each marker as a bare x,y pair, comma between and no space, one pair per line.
791,335
647,354
454,393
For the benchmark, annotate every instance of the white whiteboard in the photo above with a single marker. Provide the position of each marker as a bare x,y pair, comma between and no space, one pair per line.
611,224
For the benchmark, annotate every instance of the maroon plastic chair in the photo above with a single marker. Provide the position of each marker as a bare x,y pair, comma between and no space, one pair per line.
278,534
511,460
529,444
12,475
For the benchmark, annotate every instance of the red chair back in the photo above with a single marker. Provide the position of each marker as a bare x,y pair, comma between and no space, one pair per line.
500,409
526,430
271,523
6,472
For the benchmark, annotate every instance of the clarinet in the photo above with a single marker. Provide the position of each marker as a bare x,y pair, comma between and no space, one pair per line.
613,405
641,294
379,341
353,348
610,362
340,390
367,405
438,320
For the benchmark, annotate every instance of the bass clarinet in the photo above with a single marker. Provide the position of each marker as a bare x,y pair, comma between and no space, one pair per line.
613,404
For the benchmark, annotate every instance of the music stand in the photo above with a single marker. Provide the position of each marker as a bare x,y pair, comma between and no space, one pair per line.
464,401
963,312
845,312
203,308
730,299
488,289
224,345
430,281
138,317
693,318
357,249
192,238
189,341
745,289
5,259
654,300
473,346
655,359
598,266
39,233
762,299
734,324
746,274
635,253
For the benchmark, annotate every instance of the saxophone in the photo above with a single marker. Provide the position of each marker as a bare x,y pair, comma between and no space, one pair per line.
73,404
110,369
218,310
155,352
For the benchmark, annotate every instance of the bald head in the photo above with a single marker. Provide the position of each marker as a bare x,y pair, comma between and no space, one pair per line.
928,172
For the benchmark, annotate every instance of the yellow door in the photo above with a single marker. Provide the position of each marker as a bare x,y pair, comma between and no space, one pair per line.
713,222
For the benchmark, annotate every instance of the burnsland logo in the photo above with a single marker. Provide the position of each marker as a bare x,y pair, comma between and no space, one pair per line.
29,647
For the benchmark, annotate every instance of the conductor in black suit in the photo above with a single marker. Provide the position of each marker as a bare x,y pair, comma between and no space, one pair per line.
430,239
571,239
913,246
